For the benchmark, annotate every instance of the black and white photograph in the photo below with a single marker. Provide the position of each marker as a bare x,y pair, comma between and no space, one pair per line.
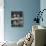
17,19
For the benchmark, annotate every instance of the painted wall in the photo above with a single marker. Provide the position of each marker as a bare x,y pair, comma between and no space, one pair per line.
29,7
43,6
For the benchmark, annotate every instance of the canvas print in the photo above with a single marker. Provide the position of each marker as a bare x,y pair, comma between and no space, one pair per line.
17,19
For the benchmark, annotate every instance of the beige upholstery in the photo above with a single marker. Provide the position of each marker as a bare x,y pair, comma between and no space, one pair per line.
39,35
45,37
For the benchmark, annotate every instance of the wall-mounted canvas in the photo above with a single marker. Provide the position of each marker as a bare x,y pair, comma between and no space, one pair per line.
17,19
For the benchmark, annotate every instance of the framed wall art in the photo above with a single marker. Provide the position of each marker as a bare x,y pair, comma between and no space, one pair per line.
17,19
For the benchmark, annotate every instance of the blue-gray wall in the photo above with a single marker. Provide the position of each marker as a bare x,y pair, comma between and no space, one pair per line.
29,7
43,6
